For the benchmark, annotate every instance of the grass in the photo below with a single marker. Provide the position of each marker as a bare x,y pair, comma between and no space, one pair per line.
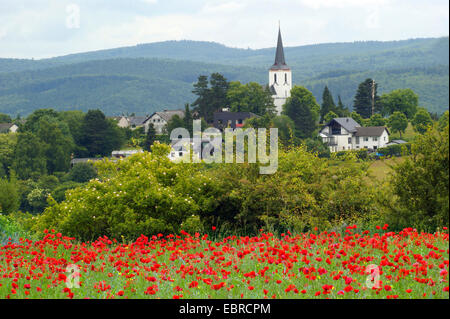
381,169
309,266
408,136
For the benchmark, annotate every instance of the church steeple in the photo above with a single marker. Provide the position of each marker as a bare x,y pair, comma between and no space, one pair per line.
280,77
280,62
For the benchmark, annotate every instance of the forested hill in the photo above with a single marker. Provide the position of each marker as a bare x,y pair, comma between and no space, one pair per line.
150,77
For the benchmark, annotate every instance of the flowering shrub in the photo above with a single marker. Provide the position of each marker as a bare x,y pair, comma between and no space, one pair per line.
354,264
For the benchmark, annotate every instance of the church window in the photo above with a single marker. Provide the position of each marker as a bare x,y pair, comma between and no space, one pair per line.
275,77
285,77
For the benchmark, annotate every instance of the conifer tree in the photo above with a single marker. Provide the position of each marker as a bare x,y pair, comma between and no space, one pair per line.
150,138
366,100
327,103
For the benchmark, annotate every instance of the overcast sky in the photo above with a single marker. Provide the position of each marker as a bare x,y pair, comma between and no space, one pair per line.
47,28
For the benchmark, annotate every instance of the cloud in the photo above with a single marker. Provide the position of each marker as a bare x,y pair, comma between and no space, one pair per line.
29,29
225,7
320,4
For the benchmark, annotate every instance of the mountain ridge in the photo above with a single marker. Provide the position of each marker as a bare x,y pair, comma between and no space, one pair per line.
160,75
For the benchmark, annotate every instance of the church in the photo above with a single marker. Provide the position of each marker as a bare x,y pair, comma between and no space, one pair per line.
280,77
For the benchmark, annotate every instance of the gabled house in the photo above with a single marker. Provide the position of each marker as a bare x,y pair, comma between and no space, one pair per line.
136,121
133,122
160,119
345,133
232,120
8,128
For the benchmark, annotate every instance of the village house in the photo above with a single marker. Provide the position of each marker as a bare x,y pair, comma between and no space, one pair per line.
160,119
8,128
232,120
345,133
132,122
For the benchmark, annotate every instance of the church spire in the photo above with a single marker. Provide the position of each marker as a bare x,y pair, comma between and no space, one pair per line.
280,62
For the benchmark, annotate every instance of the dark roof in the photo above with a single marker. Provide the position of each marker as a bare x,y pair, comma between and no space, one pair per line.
346,122
370,131
4,127
233,115
137,120
280,62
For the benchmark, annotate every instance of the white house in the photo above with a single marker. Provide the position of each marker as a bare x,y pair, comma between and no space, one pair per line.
8,128
133,122
345,133
160,119
280,77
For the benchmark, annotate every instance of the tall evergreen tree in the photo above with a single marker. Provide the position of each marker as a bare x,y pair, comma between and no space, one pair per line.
218,95
342,110
187,118
327,103
150,138
366,100
201,90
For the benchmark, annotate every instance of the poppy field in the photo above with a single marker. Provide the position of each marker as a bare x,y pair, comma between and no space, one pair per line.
352,265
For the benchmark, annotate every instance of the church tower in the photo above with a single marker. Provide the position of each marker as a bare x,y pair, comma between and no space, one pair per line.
280,77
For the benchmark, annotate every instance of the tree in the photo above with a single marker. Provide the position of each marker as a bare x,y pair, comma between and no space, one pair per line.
401,100
366,100
29,156
187,118
33,120
329,116
250,97
303,109
218,97
443,121
376,120
5,118
57,146
75,120
100,136
210,98
358,119
174,122
398,122
286,128
327,104
9,196
342,110
150,137
82,173
421,121
7,145
201,89
421,182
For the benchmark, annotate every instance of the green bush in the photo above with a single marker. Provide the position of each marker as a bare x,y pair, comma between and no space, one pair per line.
9,195
395,150
143,194
148,194
59,193
82,173
9,229
421,183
